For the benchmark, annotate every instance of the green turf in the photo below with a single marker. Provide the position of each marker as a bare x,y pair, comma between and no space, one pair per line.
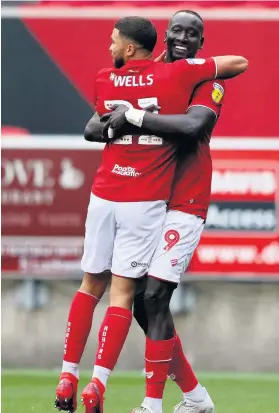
33,391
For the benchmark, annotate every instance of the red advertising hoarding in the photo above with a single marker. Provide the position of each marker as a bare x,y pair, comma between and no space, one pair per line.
46,188
242,228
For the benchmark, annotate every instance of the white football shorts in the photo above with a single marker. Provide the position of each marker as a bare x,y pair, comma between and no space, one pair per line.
179,239
121,236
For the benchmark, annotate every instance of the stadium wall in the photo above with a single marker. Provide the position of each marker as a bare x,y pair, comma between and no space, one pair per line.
233,328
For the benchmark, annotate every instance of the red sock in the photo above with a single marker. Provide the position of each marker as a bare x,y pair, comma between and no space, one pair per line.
180,370
158,354
78,326
112,336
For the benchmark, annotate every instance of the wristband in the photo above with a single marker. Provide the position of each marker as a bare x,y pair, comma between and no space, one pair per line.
135,116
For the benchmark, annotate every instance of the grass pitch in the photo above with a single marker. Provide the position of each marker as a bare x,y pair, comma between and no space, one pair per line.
33,392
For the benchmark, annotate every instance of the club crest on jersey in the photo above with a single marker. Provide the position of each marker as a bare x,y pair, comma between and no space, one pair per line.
217,93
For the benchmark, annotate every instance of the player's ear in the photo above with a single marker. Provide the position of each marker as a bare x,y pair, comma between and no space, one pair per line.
166,34
201,43
131,49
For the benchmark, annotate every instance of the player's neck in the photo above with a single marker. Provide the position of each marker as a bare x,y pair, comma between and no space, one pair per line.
141,56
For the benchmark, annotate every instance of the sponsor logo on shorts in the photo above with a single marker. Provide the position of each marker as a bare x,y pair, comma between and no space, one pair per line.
149,374
135,264
174,262
125,170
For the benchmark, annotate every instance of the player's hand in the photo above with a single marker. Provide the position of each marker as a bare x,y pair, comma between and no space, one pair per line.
117,118
161,57
115,123
105,117
152,108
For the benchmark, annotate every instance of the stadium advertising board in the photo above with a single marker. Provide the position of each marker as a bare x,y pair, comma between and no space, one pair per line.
46,188
242,234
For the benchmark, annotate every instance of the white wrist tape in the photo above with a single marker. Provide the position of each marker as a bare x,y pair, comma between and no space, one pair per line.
135,116
110,133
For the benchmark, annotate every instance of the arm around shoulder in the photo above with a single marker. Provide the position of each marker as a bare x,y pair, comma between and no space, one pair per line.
230,66
188,126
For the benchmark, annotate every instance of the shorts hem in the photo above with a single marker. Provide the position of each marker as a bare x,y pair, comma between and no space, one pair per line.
163,279
96,272
132,278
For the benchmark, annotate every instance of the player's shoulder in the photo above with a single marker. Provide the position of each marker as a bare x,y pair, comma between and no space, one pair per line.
210,86
209,93
105,72
188,62
187,65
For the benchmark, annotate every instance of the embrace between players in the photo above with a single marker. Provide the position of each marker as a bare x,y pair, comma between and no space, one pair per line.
157,119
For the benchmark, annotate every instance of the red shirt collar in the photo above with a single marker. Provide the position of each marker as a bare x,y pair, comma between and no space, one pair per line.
137,63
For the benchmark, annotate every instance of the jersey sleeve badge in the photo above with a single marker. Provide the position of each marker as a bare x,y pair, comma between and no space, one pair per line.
217,93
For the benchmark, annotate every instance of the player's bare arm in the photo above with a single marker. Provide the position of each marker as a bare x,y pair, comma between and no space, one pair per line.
94,129
191,125
230,66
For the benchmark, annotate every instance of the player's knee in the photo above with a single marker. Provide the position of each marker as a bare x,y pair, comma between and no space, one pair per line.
95,284
151,302
122,292
157,297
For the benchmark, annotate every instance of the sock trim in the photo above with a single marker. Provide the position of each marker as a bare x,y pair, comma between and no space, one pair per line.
157,361
91,295
120,312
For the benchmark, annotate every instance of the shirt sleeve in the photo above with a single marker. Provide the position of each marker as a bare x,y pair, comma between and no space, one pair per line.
209,94
194,71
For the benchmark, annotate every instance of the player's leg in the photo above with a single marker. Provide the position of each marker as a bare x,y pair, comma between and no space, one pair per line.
96,262
179,239
112,335
180,370
195,397
160,340
139,227
139,312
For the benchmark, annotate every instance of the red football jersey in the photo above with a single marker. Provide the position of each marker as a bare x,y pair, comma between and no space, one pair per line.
192,182
141,168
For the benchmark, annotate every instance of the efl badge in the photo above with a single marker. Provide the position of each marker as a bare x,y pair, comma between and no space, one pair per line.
217,93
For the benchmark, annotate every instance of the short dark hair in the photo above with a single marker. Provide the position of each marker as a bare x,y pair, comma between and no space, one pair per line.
189,12
138,29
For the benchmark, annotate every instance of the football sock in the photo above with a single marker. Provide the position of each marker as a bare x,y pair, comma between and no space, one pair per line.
78,329
70,368
112,336
102,374
158,354
196,395
180,370
155,404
